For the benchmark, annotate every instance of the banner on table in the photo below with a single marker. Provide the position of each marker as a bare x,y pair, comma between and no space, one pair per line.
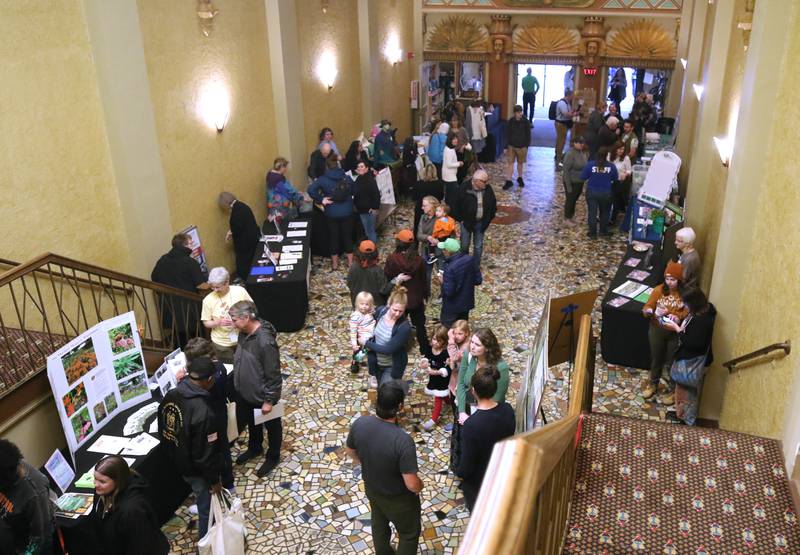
96,375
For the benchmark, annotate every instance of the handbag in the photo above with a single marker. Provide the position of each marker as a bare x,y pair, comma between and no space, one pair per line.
689,372
233,427
226,532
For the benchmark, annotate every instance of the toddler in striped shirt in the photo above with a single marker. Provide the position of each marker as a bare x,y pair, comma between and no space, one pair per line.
362,327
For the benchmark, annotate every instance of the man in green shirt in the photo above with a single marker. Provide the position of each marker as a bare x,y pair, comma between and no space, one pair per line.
530,86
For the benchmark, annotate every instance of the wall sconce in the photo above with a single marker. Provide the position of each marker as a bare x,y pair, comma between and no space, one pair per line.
206,12
326,69
684,62
392,50
214,105
324,6
724,148
698,91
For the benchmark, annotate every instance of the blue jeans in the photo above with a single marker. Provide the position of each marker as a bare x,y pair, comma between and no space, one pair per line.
477,236
203,498
368,222
598,201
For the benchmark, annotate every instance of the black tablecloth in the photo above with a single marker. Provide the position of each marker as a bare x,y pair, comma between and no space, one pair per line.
623,337
166,489
283,301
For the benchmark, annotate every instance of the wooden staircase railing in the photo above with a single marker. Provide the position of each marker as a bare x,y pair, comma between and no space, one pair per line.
523,506
50,299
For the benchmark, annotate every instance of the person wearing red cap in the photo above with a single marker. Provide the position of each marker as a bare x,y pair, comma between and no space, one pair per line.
366,275
664,305
407,268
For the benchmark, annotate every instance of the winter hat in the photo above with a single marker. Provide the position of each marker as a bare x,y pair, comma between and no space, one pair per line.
201,368
450,245
404,236
675,270
366,246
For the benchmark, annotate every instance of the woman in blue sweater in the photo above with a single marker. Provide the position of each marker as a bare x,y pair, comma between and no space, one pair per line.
386,351
600,175
334,190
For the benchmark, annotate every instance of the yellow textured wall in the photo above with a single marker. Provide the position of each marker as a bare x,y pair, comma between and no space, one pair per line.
340,108
708,235
756,398
57,175
388,18
199,163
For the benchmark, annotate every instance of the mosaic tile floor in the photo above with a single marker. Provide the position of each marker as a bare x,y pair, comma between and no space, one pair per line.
314,501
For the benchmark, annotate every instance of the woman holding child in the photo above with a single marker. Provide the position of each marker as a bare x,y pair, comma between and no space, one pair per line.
386,351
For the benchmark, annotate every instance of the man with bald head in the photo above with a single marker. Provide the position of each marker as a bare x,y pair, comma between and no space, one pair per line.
316,166
476,208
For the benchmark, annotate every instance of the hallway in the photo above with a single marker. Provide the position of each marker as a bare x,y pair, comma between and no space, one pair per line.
314,501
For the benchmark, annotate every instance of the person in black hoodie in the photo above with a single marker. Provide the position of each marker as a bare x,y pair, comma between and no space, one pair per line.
190,437
219,395
123,518
355,154
518,134
244,232
490,423
26,513
694,341
367,200
178,269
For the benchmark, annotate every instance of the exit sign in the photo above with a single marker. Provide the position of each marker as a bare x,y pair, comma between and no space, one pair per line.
590,71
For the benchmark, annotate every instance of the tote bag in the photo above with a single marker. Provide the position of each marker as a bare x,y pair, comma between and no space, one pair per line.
689,372
226,531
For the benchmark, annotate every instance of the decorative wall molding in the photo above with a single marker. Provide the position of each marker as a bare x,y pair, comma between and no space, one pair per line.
541,6
643,39
546,37
458,34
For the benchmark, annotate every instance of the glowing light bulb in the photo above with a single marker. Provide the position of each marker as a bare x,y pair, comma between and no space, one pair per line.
214,105
326,69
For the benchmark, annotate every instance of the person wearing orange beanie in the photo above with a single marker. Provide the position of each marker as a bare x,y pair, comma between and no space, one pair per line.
665,303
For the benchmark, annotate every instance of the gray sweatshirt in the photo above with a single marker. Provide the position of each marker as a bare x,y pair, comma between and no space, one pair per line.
574,161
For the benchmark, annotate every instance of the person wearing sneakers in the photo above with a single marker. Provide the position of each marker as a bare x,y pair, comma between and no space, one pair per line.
258,381
518,135
665,305
461,275
574,161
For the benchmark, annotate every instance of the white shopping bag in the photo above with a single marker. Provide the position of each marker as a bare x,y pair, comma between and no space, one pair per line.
233,426
226,531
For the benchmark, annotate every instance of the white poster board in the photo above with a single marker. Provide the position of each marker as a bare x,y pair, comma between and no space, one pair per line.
385,186
198,253
534,380
96,375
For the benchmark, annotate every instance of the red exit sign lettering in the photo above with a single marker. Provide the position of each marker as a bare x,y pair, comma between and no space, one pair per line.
590,71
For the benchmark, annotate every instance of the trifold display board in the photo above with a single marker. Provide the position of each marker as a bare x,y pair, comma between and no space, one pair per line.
96,375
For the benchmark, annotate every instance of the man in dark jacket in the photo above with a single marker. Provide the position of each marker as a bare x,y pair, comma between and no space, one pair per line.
26,513
607,134
257,380
367,200
477,207
460,277
518,134
244,232
316,164
189,435
178,269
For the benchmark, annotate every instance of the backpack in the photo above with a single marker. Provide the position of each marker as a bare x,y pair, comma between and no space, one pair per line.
342,191
551,113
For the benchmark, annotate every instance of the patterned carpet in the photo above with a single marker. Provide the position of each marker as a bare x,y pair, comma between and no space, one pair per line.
645,487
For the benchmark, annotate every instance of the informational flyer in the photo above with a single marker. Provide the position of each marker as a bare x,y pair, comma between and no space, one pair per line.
198,253
96,375
384,181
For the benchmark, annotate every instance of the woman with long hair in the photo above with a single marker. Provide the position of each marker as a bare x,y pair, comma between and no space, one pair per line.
621,188
406,267
450,166
123,518
599,175
354,155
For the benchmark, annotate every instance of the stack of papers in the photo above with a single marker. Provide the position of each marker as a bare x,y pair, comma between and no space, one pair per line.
110,445
140,445
630,289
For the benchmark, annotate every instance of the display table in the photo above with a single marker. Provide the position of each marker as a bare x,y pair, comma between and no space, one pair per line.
166,489
623,337
283,300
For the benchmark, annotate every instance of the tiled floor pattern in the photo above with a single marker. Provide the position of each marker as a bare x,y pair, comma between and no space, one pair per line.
314,501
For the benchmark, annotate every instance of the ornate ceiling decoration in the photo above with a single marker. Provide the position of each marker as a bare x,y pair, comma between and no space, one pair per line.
641,39
458,34
546,37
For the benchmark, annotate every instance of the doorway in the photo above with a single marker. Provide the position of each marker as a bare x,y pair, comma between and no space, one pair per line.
651,81
553,79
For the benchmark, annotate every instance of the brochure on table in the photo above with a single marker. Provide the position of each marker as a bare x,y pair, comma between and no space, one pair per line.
95,376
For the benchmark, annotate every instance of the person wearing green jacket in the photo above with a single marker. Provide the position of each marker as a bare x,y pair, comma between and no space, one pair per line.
530,86
484,351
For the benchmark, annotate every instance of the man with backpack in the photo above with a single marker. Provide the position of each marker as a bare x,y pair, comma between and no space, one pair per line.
561,113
